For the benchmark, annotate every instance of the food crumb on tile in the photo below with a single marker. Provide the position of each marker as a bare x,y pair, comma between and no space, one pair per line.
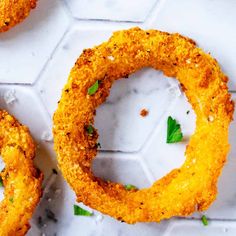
144,112
99,218
9,96
47,136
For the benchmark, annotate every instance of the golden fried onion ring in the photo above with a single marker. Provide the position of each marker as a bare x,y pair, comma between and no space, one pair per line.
22,182
13,12
183,190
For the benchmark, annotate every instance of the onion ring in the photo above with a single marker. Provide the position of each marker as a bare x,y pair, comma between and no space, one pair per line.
22,181
13,12
184,190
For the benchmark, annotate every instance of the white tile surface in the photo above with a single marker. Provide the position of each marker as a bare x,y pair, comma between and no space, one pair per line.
122,10
44,48
194,228
26,48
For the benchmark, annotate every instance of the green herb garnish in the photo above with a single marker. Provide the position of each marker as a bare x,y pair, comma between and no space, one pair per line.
130,187
11,199
204,220
93,89
174,133
78,211
1,182
90,130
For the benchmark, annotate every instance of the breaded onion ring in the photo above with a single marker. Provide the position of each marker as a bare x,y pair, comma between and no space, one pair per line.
182,191
22,182
13,12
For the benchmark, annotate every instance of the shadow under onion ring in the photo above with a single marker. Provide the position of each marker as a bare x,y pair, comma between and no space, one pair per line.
13,12
184,190
22,181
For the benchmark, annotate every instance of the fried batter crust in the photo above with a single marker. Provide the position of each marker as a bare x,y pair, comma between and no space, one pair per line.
22,181
13,12
184,190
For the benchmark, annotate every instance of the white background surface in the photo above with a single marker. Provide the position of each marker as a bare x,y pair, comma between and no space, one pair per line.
36,57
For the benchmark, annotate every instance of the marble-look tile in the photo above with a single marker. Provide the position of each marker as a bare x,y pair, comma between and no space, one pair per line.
60,200
117,10
196,228
161,157
121,168
209,23
146,89
26,48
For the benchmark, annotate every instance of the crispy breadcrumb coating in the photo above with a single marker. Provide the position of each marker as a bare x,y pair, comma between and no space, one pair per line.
22,182
184,190
13,12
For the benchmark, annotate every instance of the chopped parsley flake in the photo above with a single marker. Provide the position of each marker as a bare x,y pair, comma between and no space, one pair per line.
78,211
130,187
11,199
93,89
174,133
204,220
1,182
90,130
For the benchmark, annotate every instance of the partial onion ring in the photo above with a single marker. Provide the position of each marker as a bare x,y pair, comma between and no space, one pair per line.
181,192
22,181
13,12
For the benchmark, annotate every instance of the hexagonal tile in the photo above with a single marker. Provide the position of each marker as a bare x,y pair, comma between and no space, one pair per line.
161,157
197,20
66,223
26,107
29,45
121,168
196,228
124,168
145,89
116,10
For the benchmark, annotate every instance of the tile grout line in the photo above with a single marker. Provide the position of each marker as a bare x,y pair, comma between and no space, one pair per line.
156,8
146,170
